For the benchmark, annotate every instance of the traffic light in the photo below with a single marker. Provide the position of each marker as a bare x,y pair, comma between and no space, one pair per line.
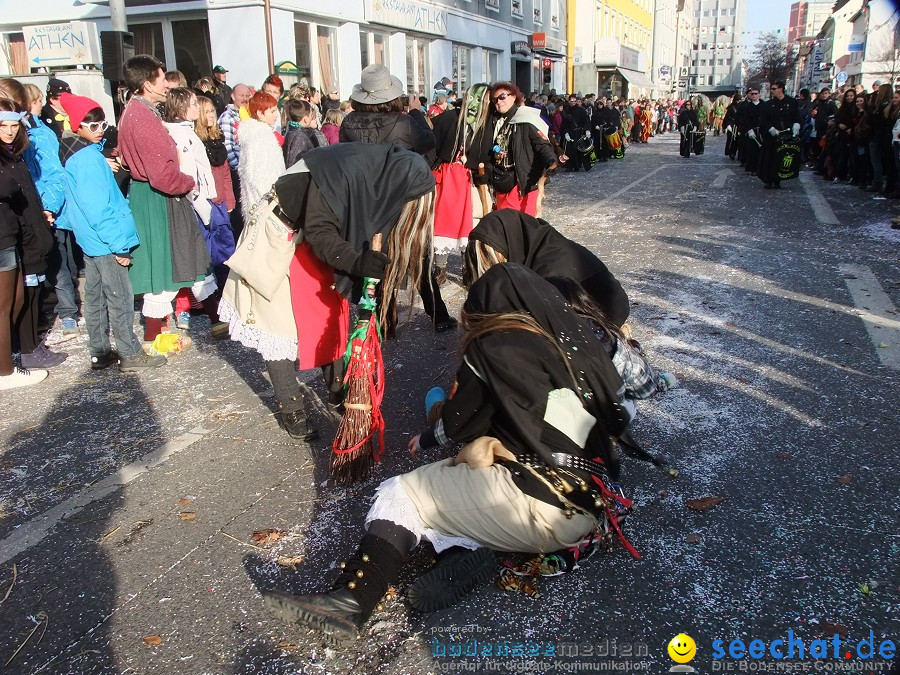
548,76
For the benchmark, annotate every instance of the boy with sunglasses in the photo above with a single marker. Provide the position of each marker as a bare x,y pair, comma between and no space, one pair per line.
104,227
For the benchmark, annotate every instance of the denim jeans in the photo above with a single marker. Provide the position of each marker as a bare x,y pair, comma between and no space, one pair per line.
60,273
109,302
877,164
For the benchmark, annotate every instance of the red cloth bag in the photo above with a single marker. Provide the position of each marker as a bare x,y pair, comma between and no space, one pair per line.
321,313
452,207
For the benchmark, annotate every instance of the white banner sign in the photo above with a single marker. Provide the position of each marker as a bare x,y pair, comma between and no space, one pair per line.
62,44
410,14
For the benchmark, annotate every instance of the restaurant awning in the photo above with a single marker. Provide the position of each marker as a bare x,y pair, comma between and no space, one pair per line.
636,78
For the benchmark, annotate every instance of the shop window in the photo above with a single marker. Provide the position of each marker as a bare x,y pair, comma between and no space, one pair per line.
461,62
489,67
373,48
148,39
325,38
192,50
304,53
417,66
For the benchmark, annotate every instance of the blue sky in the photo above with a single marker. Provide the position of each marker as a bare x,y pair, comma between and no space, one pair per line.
766,15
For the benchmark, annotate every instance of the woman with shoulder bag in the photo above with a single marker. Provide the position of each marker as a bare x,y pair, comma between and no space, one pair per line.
306,252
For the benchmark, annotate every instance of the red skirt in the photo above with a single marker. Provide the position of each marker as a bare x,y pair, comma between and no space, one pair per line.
321,313
512,200
452,207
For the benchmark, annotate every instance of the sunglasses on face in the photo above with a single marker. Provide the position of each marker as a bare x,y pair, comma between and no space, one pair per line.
94,127
502,97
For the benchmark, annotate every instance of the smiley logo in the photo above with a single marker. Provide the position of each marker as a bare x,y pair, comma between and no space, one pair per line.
682,648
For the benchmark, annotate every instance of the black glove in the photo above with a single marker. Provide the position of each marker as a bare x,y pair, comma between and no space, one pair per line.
371,264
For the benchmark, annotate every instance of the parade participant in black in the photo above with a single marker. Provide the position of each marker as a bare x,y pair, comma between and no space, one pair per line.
841,137
536,406
821,110
687,123
513,236
780,115
730,123
576,125
601,119
748,114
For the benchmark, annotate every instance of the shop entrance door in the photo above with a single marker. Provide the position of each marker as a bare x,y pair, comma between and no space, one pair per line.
521,71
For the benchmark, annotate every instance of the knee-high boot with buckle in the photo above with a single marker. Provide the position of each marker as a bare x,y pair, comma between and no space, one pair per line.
340,614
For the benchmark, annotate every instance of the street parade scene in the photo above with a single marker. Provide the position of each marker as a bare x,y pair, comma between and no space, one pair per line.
443,347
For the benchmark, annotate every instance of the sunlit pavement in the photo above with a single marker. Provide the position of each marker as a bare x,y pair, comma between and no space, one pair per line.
128,504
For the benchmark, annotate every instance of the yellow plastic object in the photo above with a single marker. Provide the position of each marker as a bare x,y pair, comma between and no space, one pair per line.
168,343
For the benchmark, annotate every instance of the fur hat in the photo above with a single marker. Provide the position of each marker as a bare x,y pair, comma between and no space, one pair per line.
77,107
377,85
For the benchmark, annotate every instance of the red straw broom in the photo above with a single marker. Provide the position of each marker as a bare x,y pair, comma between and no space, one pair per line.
354,451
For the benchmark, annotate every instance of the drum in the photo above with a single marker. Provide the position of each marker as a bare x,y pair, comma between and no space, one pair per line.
698,142
787,159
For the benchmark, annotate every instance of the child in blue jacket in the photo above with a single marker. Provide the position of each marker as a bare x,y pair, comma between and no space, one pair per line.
103,225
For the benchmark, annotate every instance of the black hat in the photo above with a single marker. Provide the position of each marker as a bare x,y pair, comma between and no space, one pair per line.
56,87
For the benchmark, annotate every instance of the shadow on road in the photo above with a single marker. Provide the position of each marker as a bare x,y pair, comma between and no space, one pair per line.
56,617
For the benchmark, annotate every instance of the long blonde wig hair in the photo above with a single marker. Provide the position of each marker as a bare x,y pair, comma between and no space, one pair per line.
478,259
408,244
477,325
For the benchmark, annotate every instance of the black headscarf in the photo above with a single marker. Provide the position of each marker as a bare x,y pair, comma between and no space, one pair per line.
537,245
364,184
522,368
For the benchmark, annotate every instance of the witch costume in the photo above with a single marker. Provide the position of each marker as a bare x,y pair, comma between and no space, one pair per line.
536,412
335,199
536,244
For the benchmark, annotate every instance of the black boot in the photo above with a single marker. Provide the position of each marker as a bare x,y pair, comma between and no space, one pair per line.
458,572
356,594
297,425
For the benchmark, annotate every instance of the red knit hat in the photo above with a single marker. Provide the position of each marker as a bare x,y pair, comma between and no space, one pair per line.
77,107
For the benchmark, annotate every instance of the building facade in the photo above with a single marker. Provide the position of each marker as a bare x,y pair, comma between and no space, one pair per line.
717,46
419,41
613,41
823,60
664,49
874,47
811,65
807,18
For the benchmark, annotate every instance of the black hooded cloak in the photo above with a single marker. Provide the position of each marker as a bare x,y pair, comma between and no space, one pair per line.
537,245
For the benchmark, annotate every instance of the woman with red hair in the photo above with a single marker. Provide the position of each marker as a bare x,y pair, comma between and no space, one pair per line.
261,161
520,152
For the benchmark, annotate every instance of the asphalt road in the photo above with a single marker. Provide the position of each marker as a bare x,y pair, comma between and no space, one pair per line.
127,504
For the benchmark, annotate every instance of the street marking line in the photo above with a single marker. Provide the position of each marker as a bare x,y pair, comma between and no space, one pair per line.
655,171
875,307
35,530
821,208
721,177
